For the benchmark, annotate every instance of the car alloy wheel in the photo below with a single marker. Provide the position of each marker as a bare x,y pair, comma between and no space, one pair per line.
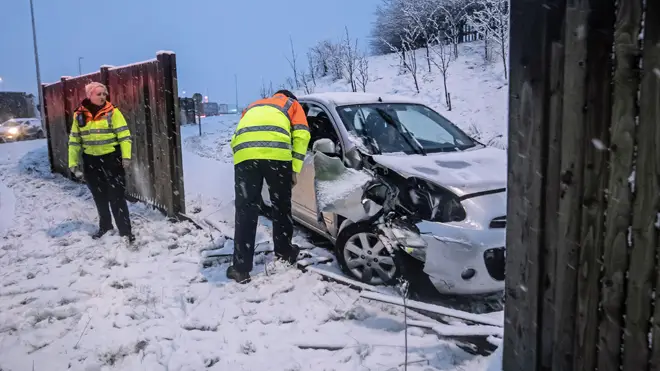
362,255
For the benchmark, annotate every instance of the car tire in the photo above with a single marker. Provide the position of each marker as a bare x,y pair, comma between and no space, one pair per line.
372,264
41,135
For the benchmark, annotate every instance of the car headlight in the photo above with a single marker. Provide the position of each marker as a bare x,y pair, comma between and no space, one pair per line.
13,131
408,238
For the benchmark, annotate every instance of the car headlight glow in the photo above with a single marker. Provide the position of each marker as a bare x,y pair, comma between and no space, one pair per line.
13,131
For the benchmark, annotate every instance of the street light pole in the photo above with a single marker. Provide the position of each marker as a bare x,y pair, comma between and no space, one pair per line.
236,85
36,62
80,65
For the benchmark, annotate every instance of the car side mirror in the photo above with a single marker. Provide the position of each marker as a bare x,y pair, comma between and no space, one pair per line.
354,159
325,146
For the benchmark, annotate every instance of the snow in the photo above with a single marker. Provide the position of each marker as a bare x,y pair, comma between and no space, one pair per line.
68,302
7,207
479,92
598,144
133,64
476,170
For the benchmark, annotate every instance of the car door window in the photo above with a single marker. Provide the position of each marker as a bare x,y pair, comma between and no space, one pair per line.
320,125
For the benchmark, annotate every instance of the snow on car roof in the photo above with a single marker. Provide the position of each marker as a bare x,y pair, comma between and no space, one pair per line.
349,98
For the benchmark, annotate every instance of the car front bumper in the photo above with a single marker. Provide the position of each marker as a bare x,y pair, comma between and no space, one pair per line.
464,261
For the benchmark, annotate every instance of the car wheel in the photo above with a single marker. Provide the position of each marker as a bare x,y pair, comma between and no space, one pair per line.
364,257
41,135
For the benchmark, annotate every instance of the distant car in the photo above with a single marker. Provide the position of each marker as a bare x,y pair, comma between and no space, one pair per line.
21,129
465,249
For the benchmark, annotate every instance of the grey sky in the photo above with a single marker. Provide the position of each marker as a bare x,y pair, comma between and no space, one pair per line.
212,39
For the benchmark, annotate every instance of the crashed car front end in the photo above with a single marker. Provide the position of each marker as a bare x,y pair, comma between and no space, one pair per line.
462,246
468,257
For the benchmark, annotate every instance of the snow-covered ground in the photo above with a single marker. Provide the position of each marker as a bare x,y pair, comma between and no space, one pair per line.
68,302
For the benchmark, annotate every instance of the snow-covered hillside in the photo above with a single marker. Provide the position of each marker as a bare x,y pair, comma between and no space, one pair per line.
479,92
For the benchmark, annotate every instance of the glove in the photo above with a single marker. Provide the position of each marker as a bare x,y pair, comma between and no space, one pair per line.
294,180
126,163
76,171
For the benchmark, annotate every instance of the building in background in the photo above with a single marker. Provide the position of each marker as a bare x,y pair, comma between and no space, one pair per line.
210,109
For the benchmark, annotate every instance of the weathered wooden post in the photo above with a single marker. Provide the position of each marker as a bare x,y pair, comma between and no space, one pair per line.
584,126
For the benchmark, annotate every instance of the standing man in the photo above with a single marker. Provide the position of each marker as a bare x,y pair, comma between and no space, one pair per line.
270,142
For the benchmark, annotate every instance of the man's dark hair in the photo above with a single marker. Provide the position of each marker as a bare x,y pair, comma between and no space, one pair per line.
286,93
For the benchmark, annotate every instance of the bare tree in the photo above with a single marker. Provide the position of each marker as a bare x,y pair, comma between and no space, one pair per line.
305,81
388,26
363,72
422,14
455,14
349,60
292,62
270,89
408,42
290,83
336,55
263,92
491,21
443,53
323,54
311,66
400,52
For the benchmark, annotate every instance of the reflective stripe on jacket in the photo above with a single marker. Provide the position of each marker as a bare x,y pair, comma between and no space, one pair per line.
98,135
272,129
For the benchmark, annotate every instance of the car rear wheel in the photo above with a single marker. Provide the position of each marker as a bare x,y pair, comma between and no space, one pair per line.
364,257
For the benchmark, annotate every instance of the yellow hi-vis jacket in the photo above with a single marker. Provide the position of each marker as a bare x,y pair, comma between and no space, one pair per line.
98,135
273,128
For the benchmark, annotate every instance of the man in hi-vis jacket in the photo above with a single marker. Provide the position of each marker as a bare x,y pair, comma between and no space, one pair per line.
270,142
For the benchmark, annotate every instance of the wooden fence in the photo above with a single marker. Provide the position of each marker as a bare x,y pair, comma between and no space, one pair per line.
146,93
584,186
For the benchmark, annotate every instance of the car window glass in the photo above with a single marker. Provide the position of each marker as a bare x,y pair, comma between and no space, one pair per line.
320,125
424,127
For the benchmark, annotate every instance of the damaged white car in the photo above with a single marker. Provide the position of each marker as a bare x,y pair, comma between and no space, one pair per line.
400,190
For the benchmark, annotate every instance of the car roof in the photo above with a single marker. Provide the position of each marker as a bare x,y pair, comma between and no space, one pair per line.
351,98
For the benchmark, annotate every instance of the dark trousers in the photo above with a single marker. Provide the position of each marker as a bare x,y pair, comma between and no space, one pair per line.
106,179
248,182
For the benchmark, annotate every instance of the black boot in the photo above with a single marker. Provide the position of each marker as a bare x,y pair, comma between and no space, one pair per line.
240,277
290,257
100,233
130,237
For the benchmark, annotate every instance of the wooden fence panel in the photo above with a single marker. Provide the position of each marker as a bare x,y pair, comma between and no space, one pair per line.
618,217
56,126
146,94
527,167
582,292
645,224
598,68
648,164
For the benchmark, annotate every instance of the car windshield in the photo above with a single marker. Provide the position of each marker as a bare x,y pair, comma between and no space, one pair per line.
402,127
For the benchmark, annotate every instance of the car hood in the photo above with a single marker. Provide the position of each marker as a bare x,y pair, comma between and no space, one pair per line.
463,173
